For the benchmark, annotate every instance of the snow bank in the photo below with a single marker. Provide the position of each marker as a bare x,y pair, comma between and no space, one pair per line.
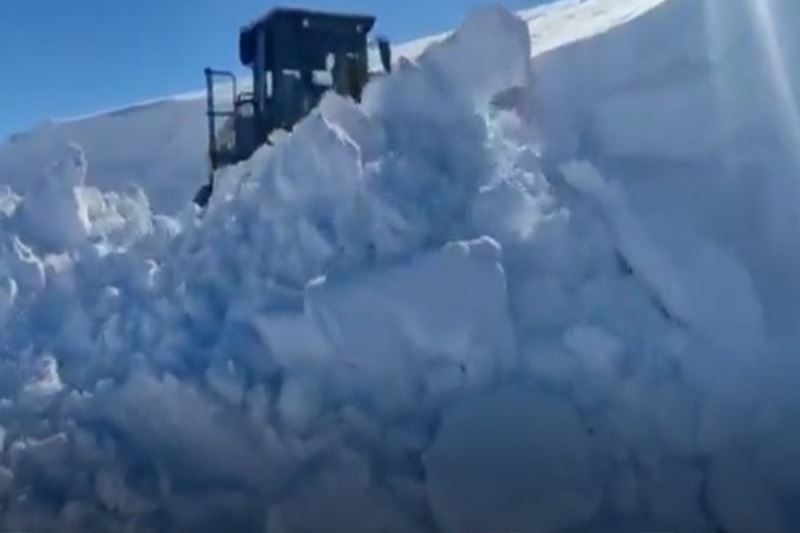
708,75
449,308
158,146
693,108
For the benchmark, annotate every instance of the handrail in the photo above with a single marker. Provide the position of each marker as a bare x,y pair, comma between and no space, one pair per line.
212,112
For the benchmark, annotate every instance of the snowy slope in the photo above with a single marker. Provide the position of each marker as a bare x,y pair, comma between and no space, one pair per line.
502,294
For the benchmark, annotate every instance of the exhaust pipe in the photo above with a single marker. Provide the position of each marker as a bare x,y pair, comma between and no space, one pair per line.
385,49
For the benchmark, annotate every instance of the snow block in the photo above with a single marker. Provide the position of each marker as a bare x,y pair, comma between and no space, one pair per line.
512,460
448,306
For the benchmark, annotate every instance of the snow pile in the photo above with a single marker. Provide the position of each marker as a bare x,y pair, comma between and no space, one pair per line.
427,312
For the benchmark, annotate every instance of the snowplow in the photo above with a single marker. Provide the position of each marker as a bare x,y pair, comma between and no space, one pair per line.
295,57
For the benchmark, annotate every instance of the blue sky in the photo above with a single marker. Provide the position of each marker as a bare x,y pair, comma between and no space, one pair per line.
63,58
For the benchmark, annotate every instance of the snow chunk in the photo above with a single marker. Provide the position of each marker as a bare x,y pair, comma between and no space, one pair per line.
191,433
298,406
742,501
468,60
8,296
592,344
116,496
6,480
513,460
689,276
51,214
294,338
8,201
338,497
45,380
448,305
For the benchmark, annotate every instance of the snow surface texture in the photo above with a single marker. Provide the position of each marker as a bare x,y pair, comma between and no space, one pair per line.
486,299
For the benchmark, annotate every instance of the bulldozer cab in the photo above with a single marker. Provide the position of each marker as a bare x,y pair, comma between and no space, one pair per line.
295,57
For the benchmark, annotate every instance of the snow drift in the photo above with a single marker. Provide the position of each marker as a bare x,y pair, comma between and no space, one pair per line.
487,298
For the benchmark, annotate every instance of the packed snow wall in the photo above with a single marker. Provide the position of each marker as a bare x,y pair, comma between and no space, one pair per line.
693,107
449,308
